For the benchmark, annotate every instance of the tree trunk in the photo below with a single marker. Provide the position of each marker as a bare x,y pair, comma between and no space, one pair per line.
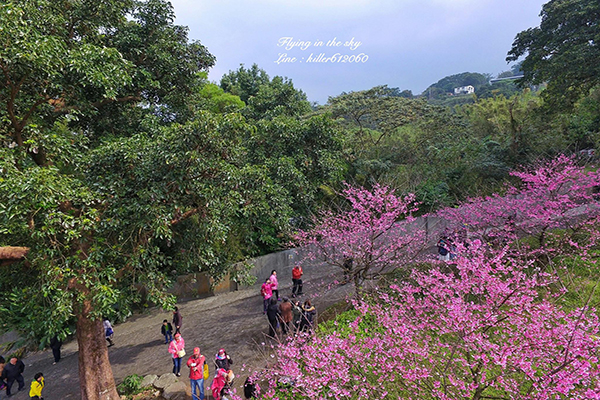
95,374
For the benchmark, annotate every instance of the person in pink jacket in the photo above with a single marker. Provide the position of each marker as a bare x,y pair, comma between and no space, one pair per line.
274,284
177,350
221,383
267,292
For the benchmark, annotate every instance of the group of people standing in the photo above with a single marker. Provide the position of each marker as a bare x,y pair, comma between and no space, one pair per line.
287,315
12,372
199,371
290,316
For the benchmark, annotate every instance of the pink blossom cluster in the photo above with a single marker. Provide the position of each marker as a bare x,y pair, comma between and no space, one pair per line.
482,329
368,233
557,194
485,326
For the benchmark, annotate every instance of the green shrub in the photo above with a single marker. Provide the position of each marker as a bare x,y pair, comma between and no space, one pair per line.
132,384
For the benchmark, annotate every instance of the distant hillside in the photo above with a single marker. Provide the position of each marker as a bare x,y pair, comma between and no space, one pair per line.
442,92
446,85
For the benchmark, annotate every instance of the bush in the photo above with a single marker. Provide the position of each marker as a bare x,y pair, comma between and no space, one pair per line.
132,384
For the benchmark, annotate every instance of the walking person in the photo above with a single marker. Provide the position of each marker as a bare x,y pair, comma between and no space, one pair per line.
222,360
55,345
272,316
35,392
166,330
267,292
13,372
274,284
297,281
197,363
108,332
177,320
286,315
177,350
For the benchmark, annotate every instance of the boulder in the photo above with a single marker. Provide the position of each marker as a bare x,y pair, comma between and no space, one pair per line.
148,380
175,391
165,380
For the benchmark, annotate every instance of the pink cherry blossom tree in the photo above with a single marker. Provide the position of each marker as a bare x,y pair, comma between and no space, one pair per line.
488,325
556,194
486,329
376,234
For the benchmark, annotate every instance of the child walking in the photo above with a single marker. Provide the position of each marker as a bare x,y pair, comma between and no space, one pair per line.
36,387
167,330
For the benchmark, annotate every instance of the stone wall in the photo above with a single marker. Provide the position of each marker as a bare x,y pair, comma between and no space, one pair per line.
199,285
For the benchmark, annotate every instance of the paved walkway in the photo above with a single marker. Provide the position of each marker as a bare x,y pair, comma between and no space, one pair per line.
232,320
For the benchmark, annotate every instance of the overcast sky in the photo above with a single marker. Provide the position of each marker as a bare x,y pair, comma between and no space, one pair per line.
408,44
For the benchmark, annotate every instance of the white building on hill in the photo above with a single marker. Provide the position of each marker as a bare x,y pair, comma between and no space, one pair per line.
464,90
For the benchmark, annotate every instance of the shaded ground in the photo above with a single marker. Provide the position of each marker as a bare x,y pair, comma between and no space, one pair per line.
233,321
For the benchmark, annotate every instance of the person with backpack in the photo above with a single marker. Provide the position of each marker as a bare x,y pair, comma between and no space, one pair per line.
273,316
197,365
296,315
285,315
249,389
2,382
347,267
13,371
221,383
55,345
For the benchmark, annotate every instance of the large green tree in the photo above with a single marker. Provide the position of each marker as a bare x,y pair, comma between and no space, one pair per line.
563,51
265,98
77,78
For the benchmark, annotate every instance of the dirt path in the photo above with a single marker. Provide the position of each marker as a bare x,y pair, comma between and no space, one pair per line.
233,321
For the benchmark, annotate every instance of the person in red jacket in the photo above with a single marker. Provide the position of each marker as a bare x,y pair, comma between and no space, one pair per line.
196,364
297,280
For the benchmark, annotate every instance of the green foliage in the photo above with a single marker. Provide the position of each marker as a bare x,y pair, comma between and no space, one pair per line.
408,144
505,88
265,98
219,102
520,130
299,155
244,83
580,276
340,325
277,98
241,274
562,51
584,122
130,385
